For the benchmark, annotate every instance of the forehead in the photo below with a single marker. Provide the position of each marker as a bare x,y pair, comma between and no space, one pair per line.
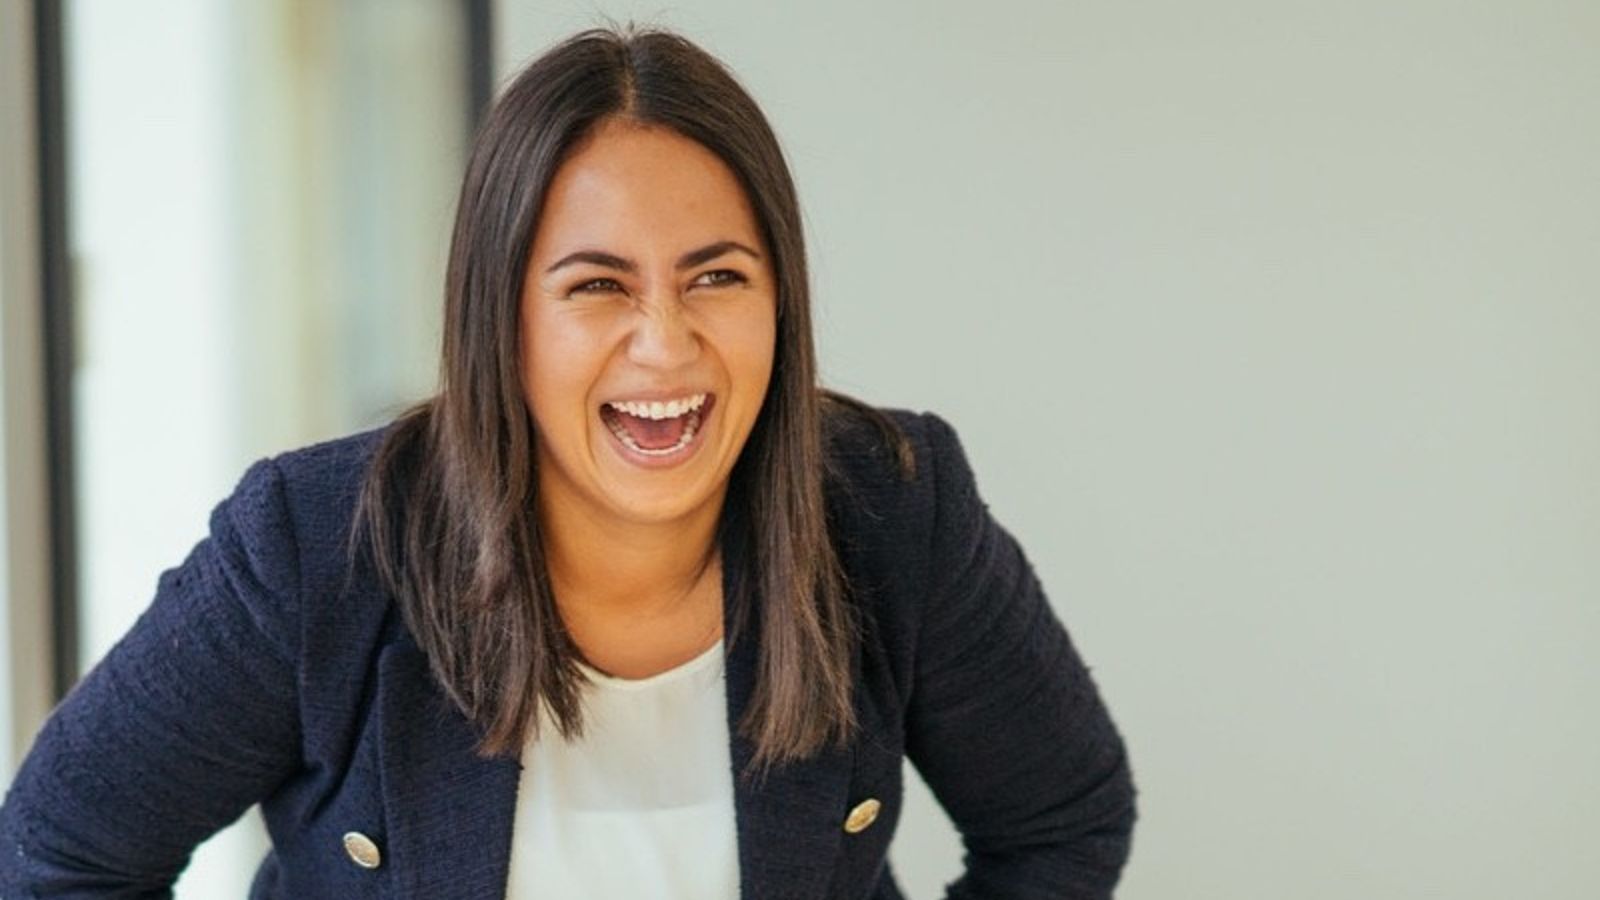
627,182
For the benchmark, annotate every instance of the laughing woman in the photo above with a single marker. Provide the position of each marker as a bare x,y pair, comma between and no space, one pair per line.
630,608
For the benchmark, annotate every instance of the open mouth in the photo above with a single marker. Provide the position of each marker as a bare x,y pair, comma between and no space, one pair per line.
654,432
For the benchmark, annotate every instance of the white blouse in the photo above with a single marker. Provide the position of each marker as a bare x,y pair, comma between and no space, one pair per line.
640,807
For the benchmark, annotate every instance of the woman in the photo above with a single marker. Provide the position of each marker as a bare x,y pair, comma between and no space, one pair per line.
630,608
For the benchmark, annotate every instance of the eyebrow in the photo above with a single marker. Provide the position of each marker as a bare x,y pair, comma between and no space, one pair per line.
687,261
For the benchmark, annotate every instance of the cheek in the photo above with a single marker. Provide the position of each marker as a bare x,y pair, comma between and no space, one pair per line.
748,344
556,370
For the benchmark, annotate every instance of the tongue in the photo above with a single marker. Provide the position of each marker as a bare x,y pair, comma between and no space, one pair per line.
654,434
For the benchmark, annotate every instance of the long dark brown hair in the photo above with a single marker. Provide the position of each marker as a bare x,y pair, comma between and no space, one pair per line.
448,506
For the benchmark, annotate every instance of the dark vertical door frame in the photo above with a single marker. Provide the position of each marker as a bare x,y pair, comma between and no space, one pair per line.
58,317
480,60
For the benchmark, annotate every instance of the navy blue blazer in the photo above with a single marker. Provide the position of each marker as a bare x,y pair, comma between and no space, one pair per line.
268,670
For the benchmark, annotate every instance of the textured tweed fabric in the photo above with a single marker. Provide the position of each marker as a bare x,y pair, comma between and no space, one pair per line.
269,670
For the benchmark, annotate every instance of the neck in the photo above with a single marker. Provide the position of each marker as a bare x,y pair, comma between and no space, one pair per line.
636,570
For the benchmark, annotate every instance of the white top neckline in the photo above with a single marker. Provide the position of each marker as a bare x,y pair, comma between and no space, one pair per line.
641,805
682,670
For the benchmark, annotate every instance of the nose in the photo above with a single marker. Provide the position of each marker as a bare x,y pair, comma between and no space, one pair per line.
663,338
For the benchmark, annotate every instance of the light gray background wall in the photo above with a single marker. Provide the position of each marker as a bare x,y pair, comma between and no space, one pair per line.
1273,332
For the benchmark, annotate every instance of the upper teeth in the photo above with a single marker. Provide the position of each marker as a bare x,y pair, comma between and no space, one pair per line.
658,410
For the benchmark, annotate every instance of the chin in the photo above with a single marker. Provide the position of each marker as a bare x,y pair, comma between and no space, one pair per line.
661,513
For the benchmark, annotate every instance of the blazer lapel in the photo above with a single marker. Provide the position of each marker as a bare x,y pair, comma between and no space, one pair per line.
790,824
449,811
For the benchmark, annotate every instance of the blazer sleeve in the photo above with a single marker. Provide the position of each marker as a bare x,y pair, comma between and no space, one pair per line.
1004,721
189,719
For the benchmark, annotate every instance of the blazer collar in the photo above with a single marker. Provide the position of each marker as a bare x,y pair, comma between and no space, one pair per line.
450,812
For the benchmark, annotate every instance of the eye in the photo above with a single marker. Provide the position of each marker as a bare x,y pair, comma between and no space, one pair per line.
596,286
723,277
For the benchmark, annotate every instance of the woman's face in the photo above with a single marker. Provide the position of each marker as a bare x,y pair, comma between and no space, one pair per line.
648,283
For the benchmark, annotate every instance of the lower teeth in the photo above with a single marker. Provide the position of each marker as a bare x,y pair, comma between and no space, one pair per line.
688,435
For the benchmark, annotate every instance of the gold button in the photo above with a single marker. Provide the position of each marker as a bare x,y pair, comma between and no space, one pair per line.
363,851
865,813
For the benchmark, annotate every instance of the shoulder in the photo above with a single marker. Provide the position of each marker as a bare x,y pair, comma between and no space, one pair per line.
889,520
289,519
329,469
309,491
892,461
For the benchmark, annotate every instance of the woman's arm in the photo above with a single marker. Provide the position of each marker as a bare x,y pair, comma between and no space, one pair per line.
186,722
1005,724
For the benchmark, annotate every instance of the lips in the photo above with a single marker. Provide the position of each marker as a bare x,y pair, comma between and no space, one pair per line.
655,443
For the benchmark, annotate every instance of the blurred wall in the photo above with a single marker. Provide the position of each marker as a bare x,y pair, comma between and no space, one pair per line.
261,193
1270,329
